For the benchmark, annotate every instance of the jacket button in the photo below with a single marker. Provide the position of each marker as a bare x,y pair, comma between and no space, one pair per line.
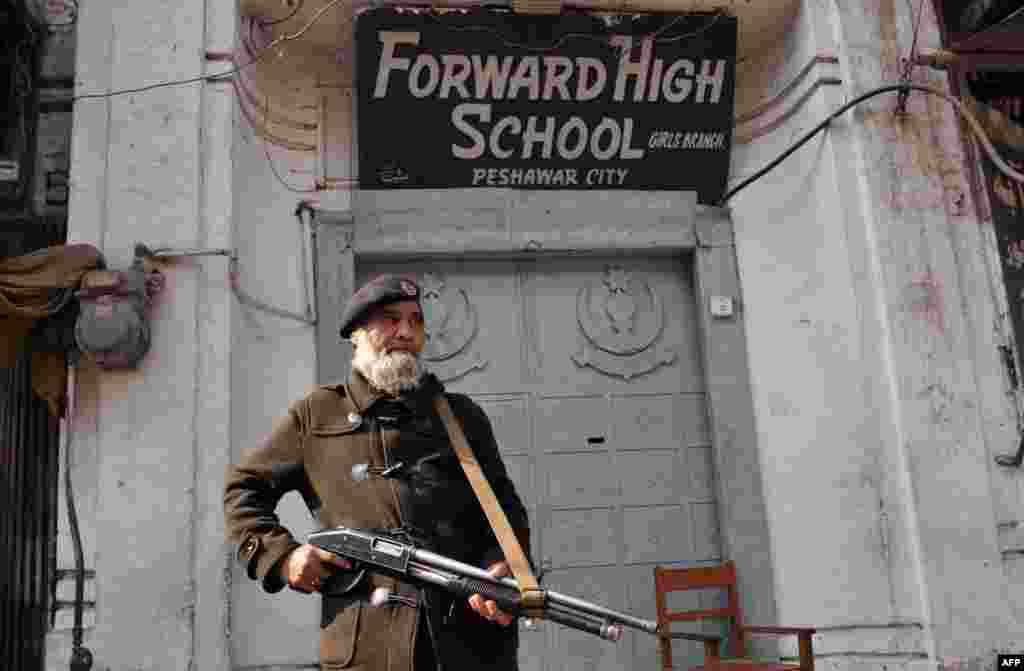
355,419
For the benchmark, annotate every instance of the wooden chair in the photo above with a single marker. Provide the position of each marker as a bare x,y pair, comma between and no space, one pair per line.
723,576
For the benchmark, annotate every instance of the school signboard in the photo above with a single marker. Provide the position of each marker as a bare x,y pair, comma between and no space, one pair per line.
487,98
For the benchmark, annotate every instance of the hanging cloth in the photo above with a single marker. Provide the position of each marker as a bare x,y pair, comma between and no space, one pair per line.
32,287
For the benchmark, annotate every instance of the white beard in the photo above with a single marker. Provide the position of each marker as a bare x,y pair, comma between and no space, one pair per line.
391,373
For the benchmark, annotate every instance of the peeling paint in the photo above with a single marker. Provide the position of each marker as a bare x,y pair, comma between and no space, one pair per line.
920,153
924,300
1015,254
1010,193
888,38
940,401
883,536
914,154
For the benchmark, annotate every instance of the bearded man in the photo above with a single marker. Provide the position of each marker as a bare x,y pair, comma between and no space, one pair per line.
372,454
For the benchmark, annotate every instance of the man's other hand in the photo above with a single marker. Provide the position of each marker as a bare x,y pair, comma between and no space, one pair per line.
307,566
488,609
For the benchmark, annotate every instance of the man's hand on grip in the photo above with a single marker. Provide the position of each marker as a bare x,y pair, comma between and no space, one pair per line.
488,609
307,567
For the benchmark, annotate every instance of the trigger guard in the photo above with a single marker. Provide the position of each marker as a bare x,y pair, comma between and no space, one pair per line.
344,582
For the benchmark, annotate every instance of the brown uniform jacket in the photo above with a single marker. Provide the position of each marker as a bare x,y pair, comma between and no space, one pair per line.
313,451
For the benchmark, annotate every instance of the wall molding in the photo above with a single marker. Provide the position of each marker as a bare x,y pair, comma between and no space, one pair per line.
510,222
821,70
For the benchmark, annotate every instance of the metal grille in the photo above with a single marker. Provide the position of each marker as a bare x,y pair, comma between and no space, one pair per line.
28,521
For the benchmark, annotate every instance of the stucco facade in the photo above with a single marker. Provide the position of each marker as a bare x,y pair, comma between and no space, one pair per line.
857,397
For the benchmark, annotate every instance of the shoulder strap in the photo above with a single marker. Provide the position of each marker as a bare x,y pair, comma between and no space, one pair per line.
531,593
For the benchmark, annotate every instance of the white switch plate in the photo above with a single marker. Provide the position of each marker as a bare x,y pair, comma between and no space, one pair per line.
10,171
722,306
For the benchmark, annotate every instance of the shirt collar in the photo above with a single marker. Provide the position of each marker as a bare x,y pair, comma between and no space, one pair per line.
361,392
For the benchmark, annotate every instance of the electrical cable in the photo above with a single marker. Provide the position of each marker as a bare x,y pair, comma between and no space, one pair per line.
234,273
234,278
178,82
270,160
266,116
273,22
303,251
902,88
81,657
889,88
219,75
676,38
602,40
280,178
910,61
1012,16
975,126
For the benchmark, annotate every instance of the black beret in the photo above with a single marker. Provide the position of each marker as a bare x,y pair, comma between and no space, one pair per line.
381,290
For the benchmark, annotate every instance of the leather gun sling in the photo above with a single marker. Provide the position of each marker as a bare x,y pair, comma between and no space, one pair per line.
531,593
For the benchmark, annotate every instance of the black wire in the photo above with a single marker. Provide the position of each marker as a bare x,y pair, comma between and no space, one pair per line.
602,39
482,28
911,60
179,82
81,657
280,178
215,77
274,22
675,38
270,160
904,87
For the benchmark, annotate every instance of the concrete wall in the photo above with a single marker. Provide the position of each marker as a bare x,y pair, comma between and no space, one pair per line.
149,446
863,267
822,433
273,363
868,299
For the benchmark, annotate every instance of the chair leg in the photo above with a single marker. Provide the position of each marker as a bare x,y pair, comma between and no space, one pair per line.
806,653
665,644
711,650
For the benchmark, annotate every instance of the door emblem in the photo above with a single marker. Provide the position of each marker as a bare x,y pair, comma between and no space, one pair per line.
451,327
621,318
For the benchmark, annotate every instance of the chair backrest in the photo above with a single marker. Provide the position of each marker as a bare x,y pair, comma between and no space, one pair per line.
722,576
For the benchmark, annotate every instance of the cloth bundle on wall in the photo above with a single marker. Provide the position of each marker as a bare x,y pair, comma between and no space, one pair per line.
34,287
110,324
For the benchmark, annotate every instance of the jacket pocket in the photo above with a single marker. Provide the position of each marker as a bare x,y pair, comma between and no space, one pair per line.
332,449
337,428
339,627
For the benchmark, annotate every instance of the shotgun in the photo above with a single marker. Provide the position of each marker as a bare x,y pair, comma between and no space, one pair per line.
388,556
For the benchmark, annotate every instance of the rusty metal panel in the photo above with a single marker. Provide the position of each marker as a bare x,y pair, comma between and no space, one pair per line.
28,482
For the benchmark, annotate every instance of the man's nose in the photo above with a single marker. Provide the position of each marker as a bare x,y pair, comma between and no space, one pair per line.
405,330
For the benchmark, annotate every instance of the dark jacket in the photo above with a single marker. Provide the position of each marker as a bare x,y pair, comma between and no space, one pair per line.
313,451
